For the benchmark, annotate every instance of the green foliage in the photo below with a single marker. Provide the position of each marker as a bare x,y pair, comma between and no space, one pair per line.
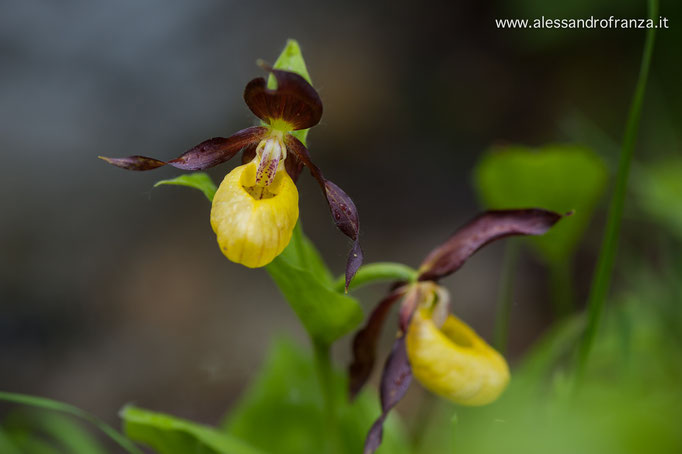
556,177
629,401
170,435
306,284
659,192
49,404
196,180
45,432
283,410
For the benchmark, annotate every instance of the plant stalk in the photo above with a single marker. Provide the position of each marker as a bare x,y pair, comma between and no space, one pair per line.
604,269
325,375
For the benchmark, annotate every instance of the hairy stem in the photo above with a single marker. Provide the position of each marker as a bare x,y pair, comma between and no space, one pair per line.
604,269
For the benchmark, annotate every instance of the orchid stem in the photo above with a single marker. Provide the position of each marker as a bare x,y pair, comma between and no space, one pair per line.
325,375
376,272
604,269
505,296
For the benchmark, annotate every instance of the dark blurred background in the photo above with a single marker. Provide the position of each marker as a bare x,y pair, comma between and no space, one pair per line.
114,292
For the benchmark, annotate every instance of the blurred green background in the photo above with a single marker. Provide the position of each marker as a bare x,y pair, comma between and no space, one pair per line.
114,292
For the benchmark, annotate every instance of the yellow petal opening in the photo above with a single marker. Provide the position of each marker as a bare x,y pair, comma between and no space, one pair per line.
253,223
453,361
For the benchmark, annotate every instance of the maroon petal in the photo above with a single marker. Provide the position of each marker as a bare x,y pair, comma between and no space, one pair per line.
294,100
365,343
395,381
249,153
207,154
134,162
294,166
215,151
489,226
343,210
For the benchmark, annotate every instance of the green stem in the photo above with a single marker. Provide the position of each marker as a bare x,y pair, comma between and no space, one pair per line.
379,271
604,270
325,375
561,283
505,296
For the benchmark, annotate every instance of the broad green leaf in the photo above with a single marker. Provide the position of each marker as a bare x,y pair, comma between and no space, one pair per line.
170,435
282,411
7,446
658,188
302,252
325,313
49,404
291,59
197,180
556,177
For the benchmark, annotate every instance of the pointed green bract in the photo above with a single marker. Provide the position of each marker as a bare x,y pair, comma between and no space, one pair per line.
291,59
560,178
197,180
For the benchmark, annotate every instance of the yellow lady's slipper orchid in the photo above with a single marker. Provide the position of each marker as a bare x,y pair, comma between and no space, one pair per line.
256,206
438,349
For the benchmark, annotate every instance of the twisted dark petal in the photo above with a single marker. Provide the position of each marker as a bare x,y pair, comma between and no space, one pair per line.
343,210
365,343
489,226
249,153
395,381
294,100
134,162
294,166
215,151
207,154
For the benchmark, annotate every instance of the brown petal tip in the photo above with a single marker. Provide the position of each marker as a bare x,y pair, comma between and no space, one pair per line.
139,163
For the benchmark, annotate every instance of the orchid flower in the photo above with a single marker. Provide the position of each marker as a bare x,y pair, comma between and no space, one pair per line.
255,209
444,354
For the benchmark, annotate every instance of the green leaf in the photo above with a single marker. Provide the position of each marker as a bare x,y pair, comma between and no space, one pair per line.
196,180
282,412
556,177
49,404
291,59
306,284
40,431
7,446
170,435
658,187
302,252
